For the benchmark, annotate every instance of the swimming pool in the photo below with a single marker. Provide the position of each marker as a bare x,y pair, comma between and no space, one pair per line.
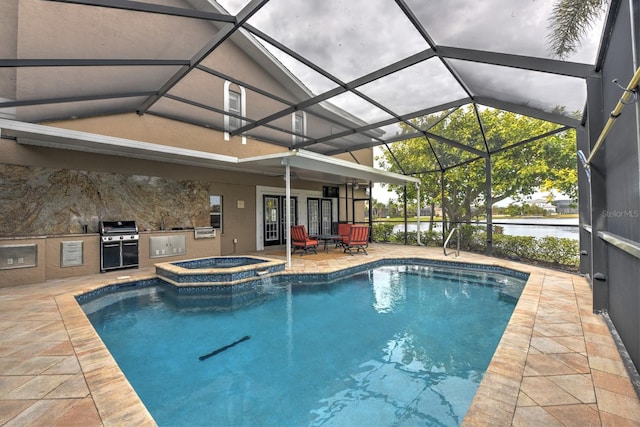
386,346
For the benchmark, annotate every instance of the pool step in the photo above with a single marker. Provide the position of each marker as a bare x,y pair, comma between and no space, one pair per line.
510,289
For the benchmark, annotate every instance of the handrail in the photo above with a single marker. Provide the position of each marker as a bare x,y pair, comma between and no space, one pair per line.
629,246
629,92
446,242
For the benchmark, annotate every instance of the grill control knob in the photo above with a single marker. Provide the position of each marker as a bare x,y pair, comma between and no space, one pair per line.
109,238
121,237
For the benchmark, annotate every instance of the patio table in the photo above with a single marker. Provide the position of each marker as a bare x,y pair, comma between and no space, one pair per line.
326,238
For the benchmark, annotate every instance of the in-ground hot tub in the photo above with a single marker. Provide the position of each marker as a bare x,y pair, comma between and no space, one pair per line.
217,270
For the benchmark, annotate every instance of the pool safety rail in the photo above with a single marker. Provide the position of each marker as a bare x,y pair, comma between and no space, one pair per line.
629,96
629,246
456,230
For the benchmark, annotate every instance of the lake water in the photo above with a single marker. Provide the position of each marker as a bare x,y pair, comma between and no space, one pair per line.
540,227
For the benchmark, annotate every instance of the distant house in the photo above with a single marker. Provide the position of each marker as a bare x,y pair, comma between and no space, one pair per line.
566,206
541,203
425,211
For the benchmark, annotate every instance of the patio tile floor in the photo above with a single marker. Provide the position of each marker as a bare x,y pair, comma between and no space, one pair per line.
556,365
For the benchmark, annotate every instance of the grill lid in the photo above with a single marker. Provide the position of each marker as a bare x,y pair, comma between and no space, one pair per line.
118,227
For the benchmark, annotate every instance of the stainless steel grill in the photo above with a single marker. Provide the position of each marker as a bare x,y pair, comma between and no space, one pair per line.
118,245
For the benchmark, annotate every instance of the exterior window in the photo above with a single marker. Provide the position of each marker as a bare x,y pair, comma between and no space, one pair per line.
215,212
313,216
235,102
299,126
319,216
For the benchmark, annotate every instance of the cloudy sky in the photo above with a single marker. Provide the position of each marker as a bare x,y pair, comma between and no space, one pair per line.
351,38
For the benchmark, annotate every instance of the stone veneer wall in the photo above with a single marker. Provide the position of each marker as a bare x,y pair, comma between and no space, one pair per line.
40,201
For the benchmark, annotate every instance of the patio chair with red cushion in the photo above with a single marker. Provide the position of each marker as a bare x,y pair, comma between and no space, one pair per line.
343,232
301,240
358,239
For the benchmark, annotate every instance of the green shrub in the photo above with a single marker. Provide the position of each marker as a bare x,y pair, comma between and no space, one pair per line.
412,237
472,238
524,247
431,238
559,250
382,232
552,250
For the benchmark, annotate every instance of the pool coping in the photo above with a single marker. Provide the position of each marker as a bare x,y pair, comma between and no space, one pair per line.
297,277
102,373
501,397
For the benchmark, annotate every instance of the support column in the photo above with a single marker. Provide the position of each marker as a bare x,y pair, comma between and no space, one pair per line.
599,257
489,200
371,211
444,232
287,210
405,215
353,205
584,204
346,202
419,206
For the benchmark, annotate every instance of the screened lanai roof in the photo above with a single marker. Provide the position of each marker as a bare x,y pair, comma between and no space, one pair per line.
366,66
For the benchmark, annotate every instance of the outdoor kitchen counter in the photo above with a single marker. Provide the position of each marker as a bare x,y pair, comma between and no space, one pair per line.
32,259
48,257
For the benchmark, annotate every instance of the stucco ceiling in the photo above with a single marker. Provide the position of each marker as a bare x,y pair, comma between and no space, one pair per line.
302,164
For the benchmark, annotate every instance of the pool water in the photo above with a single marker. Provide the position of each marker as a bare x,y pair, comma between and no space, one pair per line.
390,346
